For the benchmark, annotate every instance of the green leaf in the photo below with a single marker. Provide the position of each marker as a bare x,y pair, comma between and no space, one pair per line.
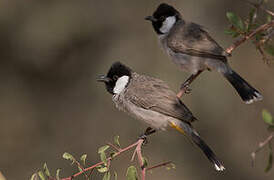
270,159
34,177
145,162
68,156
58,174
106,176
103,148
236,21
79,168
112,154
103,157
41,175
132,173
250,19
171,166
267,117
46,170
268,18
83,158
269,49
115,175
116,141
231,32
102,169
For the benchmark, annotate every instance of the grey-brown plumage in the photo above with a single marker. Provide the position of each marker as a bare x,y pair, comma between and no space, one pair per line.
191,39
194,50
151,100
154,94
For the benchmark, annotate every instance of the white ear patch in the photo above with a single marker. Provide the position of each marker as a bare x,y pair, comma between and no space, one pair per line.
120,84
168,24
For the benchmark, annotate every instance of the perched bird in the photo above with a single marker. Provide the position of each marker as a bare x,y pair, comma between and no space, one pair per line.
151,101
194,50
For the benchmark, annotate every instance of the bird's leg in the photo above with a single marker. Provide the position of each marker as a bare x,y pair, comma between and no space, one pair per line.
185,86
147,132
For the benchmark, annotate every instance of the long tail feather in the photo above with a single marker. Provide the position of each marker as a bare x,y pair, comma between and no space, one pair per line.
187,130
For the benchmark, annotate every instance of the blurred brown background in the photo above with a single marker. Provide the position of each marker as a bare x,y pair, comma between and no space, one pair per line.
51,53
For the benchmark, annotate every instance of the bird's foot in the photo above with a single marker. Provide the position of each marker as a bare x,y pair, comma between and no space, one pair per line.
148,132
185,89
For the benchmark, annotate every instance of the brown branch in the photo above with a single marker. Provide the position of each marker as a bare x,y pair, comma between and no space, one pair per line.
82,168
140,158
261,146
159,165
248,36
259,6
114,147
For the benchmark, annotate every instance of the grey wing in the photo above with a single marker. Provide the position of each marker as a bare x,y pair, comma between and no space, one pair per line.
155,95
191,39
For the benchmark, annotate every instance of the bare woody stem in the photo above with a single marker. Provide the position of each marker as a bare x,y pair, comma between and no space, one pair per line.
261,146
248,36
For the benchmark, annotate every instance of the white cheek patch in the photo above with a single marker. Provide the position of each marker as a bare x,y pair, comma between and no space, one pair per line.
120,84
168,24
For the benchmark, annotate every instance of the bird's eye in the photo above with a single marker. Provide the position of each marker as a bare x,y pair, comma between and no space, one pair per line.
162,18
115,77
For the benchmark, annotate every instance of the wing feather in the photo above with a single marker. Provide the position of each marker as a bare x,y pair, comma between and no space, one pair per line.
190,38
154,94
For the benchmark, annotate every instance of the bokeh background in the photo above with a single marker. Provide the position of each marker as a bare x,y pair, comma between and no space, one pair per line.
51,53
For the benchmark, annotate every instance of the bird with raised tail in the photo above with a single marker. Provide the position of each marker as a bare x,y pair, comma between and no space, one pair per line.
151,101
194,50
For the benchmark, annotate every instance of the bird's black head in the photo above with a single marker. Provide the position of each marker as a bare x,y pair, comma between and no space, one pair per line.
164,18
117,72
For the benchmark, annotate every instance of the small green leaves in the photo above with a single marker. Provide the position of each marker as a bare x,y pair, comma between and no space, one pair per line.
58,174
83,158
236,21
103,148
102,169
46,170
41,175
116,141
267,117
232,32
106,176
131,173
145,162
270,159
171,166
102,153
34,177
103,157
68,156
250,19
115,175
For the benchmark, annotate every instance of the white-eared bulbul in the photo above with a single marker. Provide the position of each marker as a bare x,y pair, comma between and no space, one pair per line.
151,101
194,50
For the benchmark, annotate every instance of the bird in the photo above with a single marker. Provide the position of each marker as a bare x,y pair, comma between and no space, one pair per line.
191,48
152,101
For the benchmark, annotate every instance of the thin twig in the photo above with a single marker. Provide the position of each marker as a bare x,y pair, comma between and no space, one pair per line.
82,169
259,6
114,147
138,151
260,147
100,163
158,165
248,36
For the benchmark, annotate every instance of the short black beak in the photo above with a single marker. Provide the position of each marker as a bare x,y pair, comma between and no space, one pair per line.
150,18
103,78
